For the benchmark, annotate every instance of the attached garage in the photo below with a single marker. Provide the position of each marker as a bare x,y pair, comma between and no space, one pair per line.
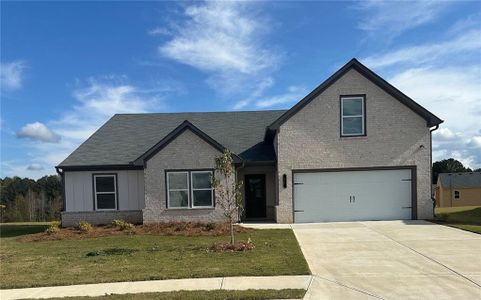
354,195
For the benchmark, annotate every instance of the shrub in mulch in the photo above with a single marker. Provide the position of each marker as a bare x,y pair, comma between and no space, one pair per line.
167,228
191,229
122,225
228,247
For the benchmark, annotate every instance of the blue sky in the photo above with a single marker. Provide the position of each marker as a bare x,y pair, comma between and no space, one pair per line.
66,68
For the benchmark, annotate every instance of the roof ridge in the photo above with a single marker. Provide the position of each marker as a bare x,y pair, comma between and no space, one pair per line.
199,112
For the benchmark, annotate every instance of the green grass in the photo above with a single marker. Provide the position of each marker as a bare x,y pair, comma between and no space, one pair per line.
205,295
21,228
145,257
465,218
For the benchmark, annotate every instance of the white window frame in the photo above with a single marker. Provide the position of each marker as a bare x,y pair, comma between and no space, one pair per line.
97,193
192,189
362,115
178,190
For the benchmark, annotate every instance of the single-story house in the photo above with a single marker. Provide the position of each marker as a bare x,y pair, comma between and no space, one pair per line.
458,189
354,148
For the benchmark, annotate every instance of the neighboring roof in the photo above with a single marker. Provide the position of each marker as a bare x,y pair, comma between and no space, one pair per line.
126,137
430,118
460,180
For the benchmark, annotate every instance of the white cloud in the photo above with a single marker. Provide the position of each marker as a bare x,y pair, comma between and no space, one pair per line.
454,95
97,100
159,31
38,132
466,42
220,37
11,74
391,18
35,167
257,92
293,94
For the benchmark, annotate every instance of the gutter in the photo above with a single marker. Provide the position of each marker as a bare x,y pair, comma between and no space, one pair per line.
431,165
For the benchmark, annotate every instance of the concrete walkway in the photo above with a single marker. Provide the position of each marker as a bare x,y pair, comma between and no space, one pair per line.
390,260
133,287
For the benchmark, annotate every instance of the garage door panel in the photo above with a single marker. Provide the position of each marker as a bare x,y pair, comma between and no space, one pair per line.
352,195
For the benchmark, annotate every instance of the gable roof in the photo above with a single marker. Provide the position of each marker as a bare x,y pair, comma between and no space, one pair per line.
460,180
186,125
126,137
430,118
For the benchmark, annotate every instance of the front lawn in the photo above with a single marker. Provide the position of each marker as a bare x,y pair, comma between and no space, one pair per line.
204,295
465,218
144,257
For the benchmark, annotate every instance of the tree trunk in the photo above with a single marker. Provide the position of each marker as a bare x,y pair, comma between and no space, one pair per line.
232,233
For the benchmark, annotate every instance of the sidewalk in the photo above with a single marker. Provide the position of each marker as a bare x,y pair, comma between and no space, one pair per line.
133,287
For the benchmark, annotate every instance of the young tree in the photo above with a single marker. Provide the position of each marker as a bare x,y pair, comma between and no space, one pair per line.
228,190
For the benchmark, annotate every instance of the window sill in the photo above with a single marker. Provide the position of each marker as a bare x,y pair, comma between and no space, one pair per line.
189,208
353,137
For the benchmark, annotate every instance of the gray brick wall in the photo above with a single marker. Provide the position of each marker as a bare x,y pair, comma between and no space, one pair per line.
395,134
187,151
101,217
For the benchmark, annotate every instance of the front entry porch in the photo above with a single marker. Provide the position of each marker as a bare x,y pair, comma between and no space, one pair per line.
258,193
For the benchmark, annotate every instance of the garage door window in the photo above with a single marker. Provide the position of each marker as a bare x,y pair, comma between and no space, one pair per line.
353,116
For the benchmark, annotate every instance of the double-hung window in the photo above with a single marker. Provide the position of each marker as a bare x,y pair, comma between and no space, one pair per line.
189,189
105,191
353,116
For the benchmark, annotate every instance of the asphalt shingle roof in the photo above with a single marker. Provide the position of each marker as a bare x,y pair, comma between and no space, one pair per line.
125,137
461,180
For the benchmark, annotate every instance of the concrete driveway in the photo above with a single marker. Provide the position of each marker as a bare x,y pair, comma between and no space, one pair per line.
391,260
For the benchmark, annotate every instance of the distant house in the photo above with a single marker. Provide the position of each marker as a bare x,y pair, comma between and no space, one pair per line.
458,189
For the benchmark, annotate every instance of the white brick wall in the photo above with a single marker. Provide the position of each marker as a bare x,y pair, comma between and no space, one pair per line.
311,140
187,151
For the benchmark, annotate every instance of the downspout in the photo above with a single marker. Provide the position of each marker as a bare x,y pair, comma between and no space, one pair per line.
431,165
62,175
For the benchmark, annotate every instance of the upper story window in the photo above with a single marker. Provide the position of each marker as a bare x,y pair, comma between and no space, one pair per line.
456,195
189,189
353,116
105,191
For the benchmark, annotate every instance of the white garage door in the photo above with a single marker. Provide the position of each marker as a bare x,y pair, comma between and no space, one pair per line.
352,196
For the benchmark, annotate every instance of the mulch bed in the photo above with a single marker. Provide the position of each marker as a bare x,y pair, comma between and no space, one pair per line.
166,229
228,247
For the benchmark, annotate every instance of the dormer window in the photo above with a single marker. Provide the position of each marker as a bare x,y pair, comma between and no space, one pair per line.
353,115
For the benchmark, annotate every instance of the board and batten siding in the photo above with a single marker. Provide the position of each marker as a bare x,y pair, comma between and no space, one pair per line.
79,190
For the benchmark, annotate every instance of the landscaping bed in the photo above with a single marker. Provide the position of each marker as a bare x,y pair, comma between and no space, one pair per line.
151,253
166,229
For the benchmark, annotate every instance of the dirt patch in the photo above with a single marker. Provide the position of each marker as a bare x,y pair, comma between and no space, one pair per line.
166,229
228,247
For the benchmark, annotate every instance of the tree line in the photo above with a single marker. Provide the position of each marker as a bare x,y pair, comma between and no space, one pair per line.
28,200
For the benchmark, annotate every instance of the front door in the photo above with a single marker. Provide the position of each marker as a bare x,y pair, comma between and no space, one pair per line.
255,195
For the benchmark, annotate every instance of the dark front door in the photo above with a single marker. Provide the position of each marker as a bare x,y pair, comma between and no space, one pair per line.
255,196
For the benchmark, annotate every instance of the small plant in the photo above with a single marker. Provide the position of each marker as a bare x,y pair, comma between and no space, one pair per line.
122,225
180,226
209,226
53,228
84,226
